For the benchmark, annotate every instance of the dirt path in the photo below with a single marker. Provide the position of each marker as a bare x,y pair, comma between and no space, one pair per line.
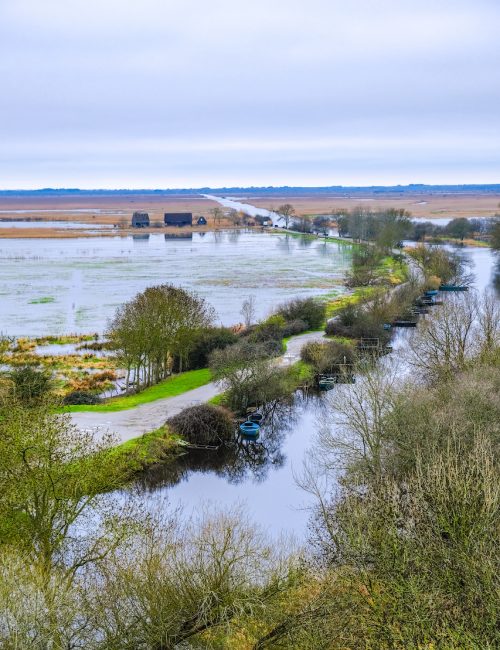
134,422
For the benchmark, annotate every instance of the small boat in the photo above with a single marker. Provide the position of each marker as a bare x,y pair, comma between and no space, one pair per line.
326,382
453,287
250,429
387,326
431,292
404,323
255,417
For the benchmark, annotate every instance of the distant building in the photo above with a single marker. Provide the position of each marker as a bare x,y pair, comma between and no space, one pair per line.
201,221
263,220
140,220
178,219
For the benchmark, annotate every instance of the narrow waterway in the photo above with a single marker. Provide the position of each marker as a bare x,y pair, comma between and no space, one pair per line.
261,476
251,210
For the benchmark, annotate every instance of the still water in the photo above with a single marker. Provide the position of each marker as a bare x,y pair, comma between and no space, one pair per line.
58,286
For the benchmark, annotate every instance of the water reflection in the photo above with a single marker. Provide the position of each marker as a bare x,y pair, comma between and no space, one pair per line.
285,244
233,236
179,235
239,461
496,275
305,241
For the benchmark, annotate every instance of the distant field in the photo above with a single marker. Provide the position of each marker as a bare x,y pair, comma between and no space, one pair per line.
111,214
92,211
432,205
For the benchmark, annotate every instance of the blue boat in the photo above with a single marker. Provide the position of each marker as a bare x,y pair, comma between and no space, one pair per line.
250,429
255,417
326,382
431,292
453,287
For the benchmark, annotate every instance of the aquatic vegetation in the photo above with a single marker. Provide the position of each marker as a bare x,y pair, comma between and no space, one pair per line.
42,301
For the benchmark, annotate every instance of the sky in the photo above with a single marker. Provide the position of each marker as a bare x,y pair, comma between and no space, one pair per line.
189,93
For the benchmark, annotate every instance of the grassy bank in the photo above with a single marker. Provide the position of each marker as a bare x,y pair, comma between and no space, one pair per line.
169,388
140,453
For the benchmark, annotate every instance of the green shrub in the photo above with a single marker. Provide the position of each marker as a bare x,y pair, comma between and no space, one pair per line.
30,383
78,397
327,357
216,338
308,310
293,327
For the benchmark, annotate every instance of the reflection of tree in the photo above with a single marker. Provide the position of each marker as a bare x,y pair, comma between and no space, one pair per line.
236,462
234,236
218,236
323,249
496,276
305,241
285,244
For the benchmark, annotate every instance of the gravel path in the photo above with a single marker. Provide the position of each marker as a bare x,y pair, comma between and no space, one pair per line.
134,422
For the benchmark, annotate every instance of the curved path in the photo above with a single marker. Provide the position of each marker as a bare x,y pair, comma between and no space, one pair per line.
134,422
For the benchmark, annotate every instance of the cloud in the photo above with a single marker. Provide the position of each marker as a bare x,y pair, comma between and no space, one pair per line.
211,90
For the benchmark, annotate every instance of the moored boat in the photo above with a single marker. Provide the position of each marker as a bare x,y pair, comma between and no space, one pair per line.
404,323
249,429
326,382
453,287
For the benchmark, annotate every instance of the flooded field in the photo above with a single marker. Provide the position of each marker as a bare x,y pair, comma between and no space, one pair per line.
55,286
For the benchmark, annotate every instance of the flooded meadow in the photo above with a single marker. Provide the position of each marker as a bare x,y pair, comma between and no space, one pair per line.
56,286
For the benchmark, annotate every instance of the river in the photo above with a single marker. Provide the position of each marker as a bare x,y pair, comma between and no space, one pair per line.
261,477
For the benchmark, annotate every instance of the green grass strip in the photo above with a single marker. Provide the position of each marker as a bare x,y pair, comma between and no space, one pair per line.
171,387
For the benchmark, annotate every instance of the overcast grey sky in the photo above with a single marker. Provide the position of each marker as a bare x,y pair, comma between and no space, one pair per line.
187,93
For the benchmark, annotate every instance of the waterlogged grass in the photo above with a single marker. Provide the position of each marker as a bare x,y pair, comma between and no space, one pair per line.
360,294
393,271
42,301
169,388
65,339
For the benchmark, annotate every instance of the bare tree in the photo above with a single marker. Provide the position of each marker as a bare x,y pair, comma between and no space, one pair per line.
351,432
217,214
488,316
285,212
248,310
443,343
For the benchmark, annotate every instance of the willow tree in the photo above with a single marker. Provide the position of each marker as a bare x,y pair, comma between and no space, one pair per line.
155,328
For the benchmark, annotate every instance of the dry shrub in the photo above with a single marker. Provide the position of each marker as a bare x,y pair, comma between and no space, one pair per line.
203,424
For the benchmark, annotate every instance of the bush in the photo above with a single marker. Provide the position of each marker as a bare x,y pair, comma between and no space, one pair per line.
365,326
294,327
203,424
327,357
308,310
216,338
249,375
78,397
30,383
267,331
